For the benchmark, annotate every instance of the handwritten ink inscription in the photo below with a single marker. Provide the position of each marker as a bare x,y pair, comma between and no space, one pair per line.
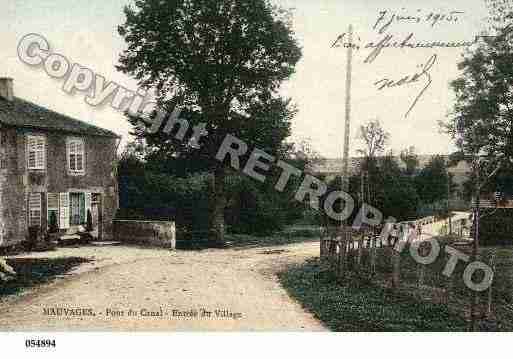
424,75
387,18
383,23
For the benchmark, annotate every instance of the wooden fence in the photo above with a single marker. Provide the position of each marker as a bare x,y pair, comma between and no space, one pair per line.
366,255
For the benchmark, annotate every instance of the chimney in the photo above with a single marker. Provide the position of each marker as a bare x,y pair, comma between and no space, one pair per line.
6,91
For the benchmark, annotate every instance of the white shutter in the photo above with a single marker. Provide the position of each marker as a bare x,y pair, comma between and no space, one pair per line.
80,156
64,210
31,151
52,201
88,200
70,156
34,204
40,153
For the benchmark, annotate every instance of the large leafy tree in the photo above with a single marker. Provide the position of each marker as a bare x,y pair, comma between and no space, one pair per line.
223,61
481,122
395,192
433,182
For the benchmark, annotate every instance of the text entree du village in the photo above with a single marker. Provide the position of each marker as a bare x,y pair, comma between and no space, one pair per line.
146,313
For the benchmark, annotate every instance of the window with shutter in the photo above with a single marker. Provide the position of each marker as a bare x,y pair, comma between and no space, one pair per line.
36,152
34,206
76,156
52,210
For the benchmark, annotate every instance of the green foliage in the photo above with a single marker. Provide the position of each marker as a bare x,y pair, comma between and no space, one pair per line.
502,182
34,232
455,158
357,306
223,62
252,207
482,120
433,181
209,52
288,236
411,160
89,221
497,229
53,226
392,191
253,211
155,196
33,272
387,188
398,198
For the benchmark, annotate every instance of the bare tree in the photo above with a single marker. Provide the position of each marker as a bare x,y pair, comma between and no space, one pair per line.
374,137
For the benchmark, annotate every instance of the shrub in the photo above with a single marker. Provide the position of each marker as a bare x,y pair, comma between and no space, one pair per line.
89,221
255,208
497,229
53,227
33,237
154,196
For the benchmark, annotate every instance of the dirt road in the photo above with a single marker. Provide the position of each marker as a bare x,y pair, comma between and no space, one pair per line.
131,289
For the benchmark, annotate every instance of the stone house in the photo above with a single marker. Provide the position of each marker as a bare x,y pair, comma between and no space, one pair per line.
53,170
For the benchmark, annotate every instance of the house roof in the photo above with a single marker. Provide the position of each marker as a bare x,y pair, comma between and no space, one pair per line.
22,113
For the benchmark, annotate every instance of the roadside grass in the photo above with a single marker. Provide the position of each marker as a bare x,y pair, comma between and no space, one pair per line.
502,287
460,296
32,272
290,235
358,305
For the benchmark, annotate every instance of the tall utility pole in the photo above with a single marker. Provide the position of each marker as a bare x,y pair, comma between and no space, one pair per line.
475,245
449,200
345,165
347,135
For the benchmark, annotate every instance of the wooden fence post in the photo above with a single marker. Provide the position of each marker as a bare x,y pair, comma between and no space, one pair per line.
333,253
360,252
396,268
490,290
421,268
421,274
373,245
344,251
449,289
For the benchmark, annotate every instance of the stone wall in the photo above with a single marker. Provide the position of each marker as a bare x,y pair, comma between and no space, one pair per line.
14,200
151,233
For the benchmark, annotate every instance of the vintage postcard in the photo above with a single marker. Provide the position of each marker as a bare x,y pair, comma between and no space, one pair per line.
255,165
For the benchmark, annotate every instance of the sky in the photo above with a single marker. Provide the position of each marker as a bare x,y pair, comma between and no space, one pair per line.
85,32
